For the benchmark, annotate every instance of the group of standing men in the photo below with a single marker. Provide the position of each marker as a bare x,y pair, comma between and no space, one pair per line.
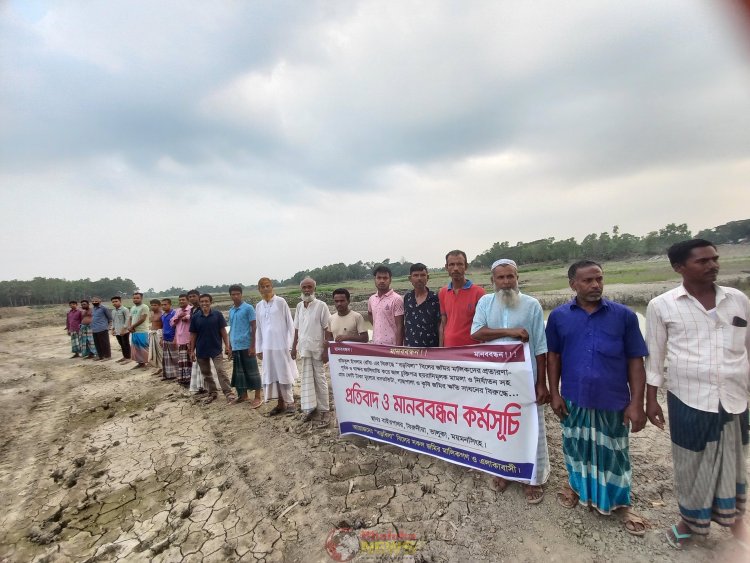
588,363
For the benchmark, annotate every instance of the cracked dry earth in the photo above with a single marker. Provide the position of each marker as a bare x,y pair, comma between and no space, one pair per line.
102,463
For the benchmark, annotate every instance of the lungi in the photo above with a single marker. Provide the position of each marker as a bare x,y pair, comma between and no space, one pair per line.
709,452
245,373
595,447
86,341
313,387
184,365
154,348
75,343
169,359
139,347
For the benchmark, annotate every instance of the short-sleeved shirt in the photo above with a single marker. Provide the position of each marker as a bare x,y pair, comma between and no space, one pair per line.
527,314
101,317
120,318
240,329
595,349
459,312
136,311
384,310
351,324
167,331
422,321
207,329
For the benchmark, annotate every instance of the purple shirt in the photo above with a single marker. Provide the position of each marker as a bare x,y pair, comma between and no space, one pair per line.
594,351
73,322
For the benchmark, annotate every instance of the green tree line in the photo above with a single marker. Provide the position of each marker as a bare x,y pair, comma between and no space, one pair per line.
48,291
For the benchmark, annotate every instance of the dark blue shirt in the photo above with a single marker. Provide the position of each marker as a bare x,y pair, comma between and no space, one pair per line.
208,331
594,352
100,318
421,322
167,331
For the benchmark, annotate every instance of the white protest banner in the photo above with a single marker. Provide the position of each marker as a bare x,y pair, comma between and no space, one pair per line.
469,405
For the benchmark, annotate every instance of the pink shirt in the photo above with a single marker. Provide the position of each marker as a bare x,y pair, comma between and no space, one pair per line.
182,325
384,311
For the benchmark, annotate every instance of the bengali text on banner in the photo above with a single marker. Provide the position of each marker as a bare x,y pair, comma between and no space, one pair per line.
469,405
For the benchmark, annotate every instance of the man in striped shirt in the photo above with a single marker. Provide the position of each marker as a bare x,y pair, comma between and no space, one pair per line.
700,328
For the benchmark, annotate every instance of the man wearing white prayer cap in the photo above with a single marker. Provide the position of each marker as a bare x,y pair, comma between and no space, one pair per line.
508,314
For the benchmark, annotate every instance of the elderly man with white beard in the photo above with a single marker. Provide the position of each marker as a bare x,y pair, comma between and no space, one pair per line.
508,314
310,324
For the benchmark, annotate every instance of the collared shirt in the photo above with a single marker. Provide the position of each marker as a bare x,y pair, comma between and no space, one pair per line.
384,310
136,311
73,321
240,327
311,323
181,324
706,351
120,318
528,314
459,312
351,324
207,328
421,321
101,319
595,349
167,330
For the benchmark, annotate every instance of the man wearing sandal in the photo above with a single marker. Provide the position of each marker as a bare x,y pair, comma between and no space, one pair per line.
700,328
508,314
208,329
595,348
245,373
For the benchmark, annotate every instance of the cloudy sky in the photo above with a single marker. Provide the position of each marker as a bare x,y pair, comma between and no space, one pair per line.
181,143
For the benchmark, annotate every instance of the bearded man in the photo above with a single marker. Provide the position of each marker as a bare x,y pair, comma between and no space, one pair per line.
508,314
310,323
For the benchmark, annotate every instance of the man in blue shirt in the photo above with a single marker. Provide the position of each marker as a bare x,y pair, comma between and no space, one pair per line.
100,323
168,344
208,330
245,373
596,349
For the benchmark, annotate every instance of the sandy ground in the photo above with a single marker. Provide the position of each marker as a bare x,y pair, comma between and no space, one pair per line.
102,463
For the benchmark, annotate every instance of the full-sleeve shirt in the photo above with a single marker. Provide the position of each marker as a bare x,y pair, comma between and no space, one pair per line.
706,351
168,330
311,323
73,321
181,323
101,317
120,318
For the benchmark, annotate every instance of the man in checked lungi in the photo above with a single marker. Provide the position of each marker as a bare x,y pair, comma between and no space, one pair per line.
180,321
72,327
700,328
595,348
168,344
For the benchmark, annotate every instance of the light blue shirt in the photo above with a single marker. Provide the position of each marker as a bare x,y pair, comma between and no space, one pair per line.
240,331
529,315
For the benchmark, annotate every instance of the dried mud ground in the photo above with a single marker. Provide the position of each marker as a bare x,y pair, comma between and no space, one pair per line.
102,463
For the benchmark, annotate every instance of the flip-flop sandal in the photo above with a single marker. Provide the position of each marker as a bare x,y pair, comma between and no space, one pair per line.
256,403
567,498
529,490
676,539
634,520
275,410
501,484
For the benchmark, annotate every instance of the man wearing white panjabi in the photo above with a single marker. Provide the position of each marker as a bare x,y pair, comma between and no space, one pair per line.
274,334
310,324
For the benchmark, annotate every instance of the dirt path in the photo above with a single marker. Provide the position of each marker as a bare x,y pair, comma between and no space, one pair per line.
102,463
